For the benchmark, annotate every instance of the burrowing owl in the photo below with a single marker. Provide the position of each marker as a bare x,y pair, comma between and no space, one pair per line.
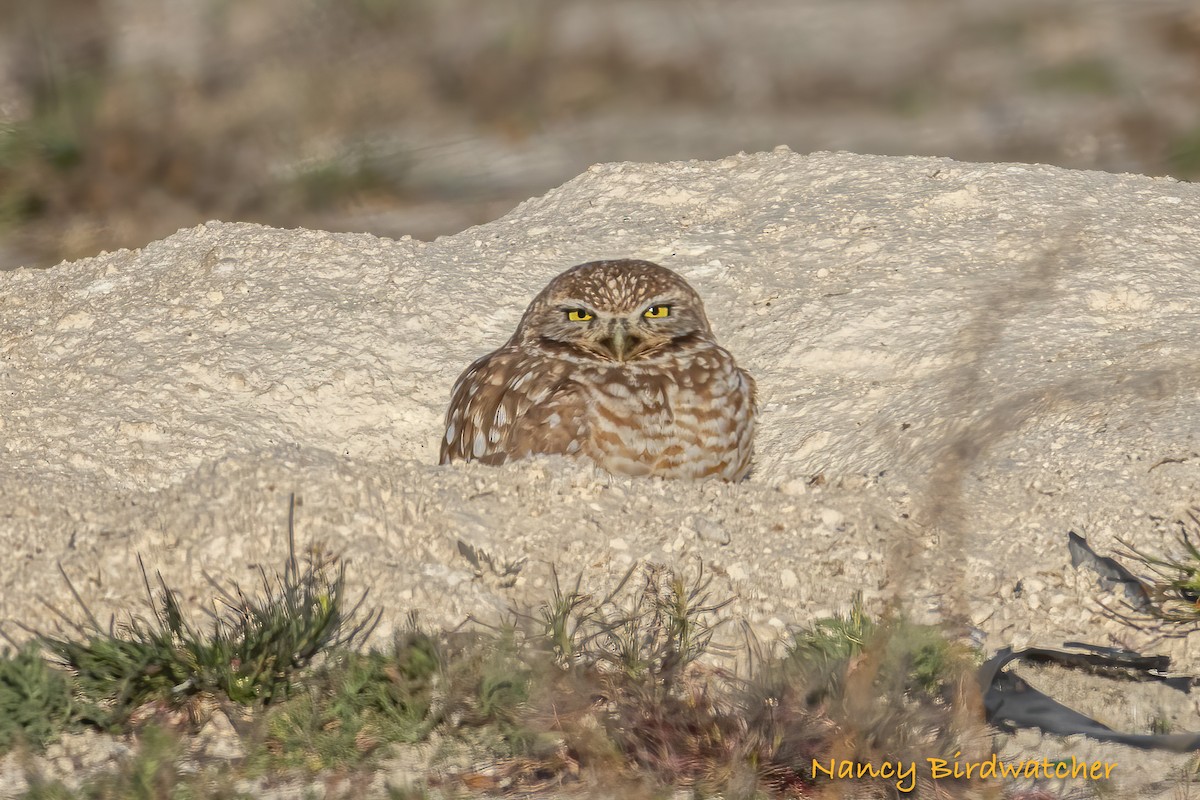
613,361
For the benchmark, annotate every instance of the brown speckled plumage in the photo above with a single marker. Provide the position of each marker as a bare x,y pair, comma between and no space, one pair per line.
635,395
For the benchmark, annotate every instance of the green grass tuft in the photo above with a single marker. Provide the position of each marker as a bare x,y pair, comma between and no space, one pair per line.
353,705
890,688
35,699
1175,591
918,657
251,653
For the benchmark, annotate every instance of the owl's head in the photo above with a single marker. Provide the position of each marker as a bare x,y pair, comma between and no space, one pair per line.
621,311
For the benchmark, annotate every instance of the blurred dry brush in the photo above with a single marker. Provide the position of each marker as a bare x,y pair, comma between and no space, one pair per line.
113,143
123,120
127,119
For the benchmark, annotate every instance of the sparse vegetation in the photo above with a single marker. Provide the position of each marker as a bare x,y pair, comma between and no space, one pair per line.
611,686
250,655
1175,593
904,691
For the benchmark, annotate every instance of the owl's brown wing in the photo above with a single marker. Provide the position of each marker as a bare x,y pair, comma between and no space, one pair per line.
554,426
511,404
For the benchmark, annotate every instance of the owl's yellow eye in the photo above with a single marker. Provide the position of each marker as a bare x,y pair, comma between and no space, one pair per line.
657,312
578,315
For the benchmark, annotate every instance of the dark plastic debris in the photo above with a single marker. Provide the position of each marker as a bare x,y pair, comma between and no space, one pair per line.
1011,702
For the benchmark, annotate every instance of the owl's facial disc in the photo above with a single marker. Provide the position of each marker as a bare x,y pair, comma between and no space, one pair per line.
620,334
618,311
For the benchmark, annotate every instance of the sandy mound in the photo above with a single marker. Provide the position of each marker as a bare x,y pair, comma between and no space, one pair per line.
957,365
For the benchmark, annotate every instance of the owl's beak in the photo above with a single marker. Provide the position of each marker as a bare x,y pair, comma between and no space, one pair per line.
619,342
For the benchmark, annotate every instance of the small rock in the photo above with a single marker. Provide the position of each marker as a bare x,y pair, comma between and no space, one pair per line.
710,531
982,615
794,487
832,519
219,739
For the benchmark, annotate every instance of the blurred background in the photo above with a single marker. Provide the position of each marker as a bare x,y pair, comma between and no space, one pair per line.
124,120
